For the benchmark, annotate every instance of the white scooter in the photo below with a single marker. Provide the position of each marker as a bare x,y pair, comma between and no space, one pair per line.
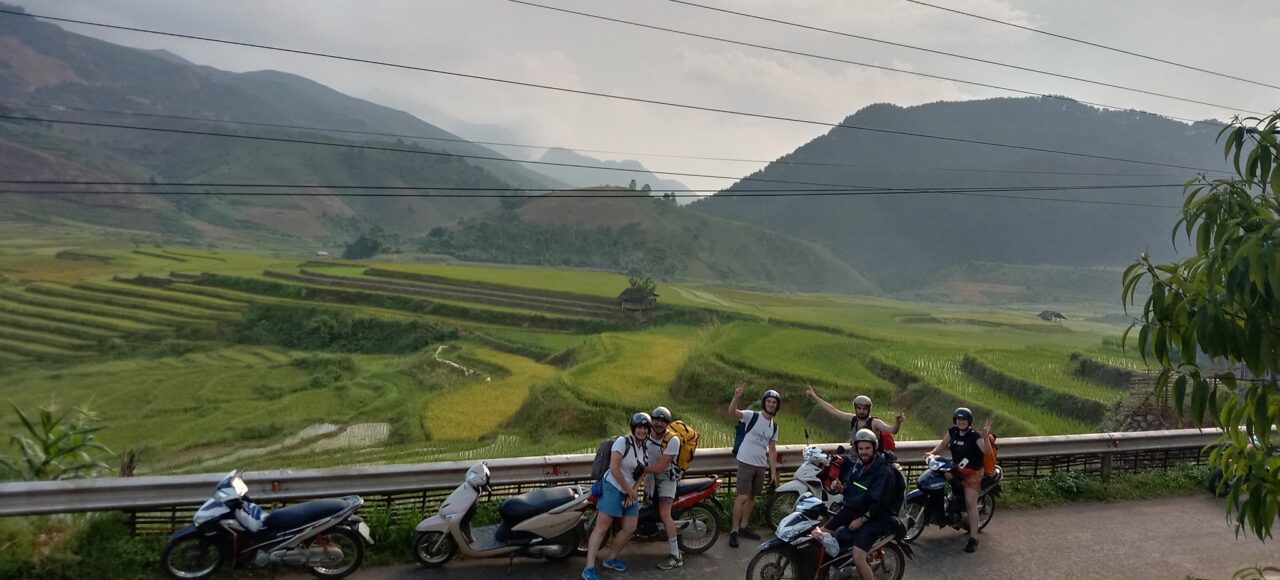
544,523
811,477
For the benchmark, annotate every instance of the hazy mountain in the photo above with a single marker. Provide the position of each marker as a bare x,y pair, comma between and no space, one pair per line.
42,65
643,235
585,177
903,242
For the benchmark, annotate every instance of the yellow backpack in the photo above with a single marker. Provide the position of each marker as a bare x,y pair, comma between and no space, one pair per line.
688,443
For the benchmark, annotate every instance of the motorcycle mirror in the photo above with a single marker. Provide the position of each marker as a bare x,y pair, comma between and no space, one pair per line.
840,450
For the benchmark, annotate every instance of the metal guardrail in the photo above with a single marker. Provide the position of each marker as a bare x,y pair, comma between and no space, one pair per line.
152,492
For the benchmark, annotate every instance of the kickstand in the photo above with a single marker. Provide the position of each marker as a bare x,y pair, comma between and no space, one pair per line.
510,562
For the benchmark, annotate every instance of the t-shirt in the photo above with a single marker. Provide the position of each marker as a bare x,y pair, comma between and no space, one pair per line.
965,451
632,455
755,446
656,451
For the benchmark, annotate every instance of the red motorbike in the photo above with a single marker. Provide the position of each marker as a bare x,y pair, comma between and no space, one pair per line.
696,512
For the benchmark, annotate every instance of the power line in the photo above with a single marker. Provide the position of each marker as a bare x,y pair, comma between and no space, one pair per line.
1094,44
577,149
412,151
953,55
744,193
888,68
587,195
566,90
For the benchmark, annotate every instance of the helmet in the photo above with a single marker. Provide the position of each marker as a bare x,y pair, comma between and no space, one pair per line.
478,475
962,413
661,413
639,419
862,401
813,454
771,393
865,435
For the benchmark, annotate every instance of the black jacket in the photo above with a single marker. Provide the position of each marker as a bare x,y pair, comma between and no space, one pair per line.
866,487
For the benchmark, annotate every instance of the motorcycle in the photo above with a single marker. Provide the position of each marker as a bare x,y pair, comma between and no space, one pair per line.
816,473
323,535
544,523
696,511
795,554
930,503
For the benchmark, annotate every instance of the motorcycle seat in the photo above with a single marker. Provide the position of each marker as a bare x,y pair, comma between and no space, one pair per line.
539,501
694,485
298,515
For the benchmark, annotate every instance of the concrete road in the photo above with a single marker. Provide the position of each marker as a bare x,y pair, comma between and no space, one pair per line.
1153,539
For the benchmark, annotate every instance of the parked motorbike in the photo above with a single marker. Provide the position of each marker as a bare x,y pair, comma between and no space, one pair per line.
696,511
324,536
817,471
544,523
930,503
795,554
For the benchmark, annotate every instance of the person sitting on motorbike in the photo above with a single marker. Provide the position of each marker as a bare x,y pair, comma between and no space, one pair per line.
621,489
865,516
968,447
861,417
663,448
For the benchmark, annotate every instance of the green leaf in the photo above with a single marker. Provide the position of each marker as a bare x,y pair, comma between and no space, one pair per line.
1179,393
1199,399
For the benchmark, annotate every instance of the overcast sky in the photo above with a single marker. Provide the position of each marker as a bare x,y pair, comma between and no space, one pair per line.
502,39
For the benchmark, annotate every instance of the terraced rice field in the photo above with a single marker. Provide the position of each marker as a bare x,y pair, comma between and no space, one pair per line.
942,369
807,353
1050,369
634,369
470,412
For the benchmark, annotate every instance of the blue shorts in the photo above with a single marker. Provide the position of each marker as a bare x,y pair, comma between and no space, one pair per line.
611,502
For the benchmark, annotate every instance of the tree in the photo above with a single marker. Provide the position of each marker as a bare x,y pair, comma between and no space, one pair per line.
57,447
1224,302
365,246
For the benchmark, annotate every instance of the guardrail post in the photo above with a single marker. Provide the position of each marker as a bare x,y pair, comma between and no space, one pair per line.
1107,459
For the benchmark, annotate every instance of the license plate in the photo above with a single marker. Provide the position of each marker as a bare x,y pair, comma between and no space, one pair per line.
363,528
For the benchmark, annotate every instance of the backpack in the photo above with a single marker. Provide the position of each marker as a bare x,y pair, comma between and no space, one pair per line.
604,455
887,442
896,491
989,459
740,431
688,443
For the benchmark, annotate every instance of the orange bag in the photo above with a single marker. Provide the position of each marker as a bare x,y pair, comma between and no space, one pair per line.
989,459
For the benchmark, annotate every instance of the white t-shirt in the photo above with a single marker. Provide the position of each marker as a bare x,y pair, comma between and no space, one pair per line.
632,455
656,451
755,446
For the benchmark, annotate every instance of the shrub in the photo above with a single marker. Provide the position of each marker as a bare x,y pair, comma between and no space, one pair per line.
308,328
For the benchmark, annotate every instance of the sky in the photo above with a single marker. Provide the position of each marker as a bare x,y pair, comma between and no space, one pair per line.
501,38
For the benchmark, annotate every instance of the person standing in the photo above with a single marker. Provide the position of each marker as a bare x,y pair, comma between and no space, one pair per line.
861,418
756,450
664,446
620,498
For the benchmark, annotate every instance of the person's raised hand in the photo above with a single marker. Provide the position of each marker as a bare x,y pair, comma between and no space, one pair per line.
737,391
808,392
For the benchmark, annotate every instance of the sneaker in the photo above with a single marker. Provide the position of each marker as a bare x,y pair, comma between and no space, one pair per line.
590,574
971,546
733,539
671,562
748,534
615,564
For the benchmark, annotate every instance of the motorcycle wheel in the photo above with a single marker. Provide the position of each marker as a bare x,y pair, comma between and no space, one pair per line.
890,563
346,540
986,509
427,553
568,543
192,557
914,513
702,530
780,507
772,564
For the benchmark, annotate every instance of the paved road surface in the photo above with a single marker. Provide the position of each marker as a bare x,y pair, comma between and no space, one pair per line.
1153,539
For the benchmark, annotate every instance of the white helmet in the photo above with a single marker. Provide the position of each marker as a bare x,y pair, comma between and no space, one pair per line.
813,454
478,475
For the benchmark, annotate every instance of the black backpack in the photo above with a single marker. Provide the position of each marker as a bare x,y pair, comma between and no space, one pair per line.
740,431
604,454
896,490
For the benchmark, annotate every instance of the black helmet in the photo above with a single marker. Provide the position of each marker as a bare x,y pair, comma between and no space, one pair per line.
641,418
962,413
661,413
771,393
